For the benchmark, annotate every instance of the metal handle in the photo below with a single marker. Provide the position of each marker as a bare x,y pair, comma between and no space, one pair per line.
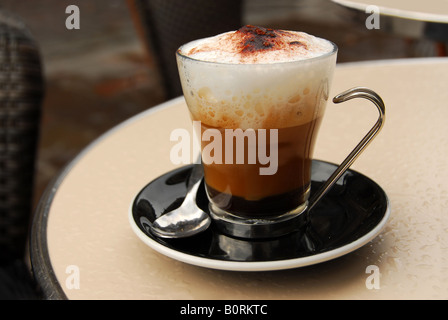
358,92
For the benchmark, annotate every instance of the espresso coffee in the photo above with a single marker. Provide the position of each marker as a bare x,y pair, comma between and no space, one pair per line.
240,188
258,79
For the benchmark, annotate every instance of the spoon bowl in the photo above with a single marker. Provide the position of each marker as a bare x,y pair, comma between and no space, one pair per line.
185,221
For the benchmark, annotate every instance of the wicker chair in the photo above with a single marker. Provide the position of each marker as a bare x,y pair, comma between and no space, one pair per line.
165,25
21,93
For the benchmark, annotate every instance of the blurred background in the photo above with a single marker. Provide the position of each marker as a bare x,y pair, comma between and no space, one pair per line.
107,71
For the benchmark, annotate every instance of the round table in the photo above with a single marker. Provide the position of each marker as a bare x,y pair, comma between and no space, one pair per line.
83,247
411,19
429,11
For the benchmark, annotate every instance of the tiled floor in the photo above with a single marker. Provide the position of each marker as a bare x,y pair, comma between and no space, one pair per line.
100,75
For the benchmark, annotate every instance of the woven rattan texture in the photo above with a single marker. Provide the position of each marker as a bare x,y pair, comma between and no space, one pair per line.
21,93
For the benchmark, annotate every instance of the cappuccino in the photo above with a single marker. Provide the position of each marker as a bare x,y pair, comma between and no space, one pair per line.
252,79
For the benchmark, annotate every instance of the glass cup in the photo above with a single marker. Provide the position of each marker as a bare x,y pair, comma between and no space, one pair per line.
259,124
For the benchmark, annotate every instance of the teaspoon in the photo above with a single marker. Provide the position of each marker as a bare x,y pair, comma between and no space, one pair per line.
185,221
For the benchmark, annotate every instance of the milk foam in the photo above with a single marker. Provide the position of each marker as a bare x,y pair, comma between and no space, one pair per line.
257,45
252,89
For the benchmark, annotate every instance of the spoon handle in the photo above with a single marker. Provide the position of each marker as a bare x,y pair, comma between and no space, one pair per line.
196,174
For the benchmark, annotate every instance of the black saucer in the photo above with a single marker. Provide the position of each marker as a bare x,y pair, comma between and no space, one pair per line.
350,215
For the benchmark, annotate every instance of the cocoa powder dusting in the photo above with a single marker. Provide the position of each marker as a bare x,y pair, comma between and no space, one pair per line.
253,44
255,39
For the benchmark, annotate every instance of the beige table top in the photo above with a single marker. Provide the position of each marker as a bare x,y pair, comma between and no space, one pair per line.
82,223
429,11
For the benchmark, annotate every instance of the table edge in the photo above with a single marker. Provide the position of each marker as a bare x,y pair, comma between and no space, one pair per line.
396,13
40,257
